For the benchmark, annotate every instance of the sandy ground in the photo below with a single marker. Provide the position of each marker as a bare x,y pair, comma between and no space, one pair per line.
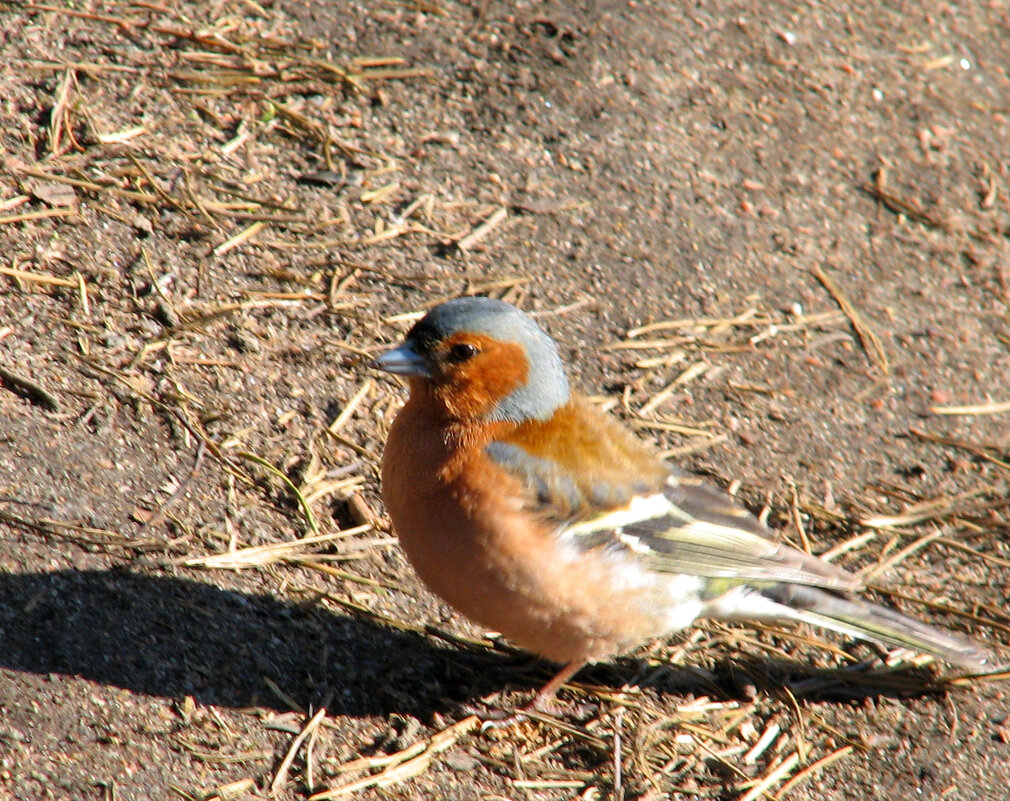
211,213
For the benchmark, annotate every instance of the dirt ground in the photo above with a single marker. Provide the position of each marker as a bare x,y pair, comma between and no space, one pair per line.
211,213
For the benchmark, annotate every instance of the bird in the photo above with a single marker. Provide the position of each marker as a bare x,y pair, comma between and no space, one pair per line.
538,515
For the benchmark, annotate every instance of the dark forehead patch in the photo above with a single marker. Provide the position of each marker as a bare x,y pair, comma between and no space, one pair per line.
425,336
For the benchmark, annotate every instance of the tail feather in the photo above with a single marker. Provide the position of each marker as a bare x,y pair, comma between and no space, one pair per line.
857,618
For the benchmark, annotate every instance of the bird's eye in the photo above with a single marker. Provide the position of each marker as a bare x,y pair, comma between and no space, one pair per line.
462,352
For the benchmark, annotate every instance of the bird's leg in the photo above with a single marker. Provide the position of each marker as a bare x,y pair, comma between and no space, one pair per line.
541,701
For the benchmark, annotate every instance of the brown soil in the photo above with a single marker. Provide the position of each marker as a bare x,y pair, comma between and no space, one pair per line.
210,212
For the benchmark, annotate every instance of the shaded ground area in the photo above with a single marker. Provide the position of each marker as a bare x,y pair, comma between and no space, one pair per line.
772,237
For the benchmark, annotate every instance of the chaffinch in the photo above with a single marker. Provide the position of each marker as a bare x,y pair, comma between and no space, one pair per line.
537,515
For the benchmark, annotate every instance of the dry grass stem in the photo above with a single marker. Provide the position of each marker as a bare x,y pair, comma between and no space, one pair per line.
773,777
937,509
37,278
41,214
768,736
900,205
846,546
258,556
694,371
745,318
35,392
281,776
695,446
960,546
870,341
992,407
813,768
408,763
240,238
884,565
477,234
676,428
348,411
982,452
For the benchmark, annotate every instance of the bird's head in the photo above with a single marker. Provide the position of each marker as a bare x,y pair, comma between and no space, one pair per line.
482,360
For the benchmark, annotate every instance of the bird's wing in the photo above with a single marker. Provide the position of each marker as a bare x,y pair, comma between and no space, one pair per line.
676,524
691,527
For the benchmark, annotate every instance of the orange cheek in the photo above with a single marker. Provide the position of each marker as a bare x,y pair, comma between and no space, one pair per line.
473,389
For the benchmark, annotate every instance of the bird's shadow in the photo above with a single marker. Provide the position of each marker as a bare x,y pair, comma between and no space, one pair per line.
174,637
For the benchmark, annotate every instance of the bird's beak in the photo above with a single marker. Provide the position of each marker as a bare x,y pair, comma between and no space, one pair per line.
403,360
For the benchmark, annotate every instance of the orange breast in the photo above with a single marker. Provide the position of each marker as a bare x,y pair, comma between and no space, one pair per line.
461,523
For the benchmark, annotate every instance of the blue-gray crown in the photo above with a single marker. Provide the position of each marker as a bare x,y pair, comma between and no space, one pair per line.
546,387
